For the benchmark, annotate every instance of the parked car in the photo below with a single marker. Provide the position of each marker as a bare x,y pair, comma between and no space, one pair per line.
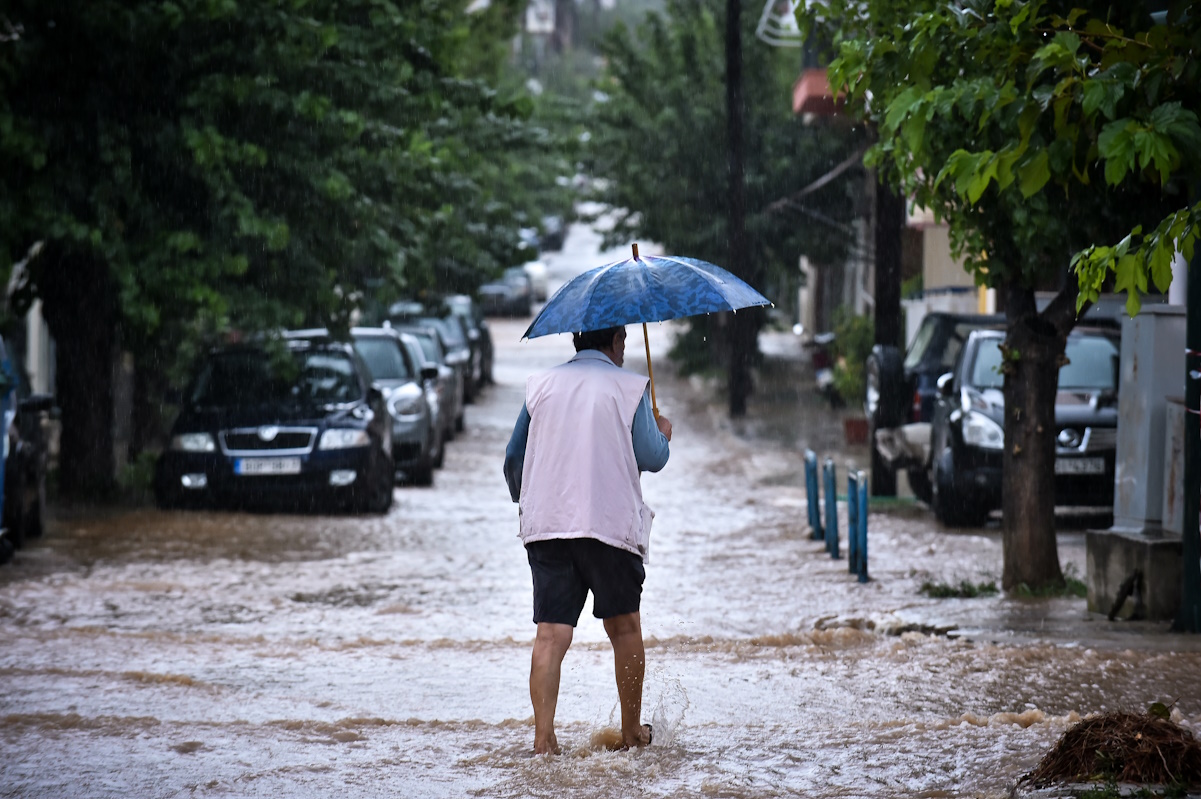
417,441
478,332
537,272
901,393
968,435
449,382
554,232
24,454
304,427
512,295
455,341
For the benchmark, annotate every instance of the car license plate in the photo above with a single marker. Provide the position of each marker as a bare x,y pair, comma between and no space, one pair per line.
1079,466
267,466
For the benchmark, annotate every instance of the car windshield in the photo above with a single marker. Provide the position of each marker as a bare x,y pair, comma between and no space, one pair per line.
384,358
429,345
450,329
250,377
1092,364
920,342
986,370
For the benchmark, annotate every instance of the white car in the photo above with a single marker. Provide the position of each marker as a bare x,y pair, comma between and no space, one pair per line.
537,270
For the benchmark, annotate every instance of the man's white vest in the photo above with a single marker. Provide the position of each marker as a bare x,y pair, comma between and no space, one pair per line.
580,477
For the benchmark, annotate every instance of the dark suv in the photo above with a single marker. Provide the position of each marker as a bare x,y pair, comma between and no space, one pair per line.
24,456
303,427
968,435
901,393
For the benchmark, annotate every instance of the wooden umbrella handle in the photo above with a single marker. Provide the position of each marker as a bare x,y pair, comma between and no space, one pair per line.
647,340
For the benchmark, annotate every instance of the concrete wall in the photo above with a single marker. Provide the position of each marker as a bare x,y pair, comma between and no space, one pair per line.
1113,556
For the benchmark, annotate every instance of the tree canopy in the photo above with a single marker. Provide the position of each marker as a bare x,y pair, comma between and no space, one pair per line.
1038,126
255,163
659,143
173,171
1048,135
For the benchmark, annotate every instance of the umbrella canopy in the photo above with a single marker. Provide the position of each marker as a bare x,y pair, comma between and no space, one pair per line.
649,288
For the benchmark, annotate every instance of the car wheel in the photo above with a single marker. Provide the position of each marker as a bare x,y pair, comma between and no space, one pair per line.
885,398
883,476
919,481
6,549
440,452
460,424
952,508
36,514
379,497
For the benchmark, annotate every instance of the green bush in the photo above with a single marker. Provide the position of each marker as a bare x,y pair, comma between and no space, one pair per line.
853,340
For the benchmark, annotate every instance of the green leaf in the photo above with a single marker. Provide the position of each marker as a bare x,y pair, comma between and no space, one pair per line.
1117,149
1034,174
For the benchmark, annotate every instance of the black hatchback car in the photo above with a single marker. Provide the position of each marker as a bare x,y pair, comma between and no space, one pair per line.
967,433
902,391
301,429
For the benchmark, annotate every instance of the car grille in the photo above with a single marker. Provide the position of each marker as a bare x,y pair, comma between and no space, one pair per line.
252,441
1100,439
1094,439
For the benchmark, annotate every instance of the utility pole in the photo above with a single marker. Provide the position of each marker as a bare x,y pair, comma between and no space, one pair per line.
743,327
889,220
1189,617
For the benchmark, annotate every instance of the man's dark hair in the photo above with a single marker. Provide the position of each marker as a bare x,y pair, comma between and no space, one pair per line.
594,339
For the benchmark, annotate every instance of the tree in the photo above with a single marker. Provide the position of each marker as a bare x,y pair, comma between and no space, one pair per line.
660,142
1036,130
194,167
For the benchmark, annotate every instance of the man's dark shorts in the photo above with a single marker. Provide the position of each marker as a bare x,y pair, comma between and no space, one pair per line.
566,569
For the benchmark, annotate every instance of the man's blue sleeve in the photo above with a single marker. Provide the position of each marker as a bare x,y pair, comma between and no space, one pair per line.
650,445
515,453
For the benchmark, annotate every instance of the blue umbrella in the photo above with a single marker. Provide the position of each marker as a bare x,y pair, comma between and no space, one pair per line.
643,289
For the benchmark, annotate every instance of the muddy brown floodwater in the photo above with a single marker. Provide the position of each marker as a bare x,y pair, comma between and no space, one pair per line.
150,654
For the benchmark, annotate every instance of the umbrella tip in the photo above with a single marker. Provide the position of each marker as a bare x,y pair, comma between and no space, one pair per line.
635,252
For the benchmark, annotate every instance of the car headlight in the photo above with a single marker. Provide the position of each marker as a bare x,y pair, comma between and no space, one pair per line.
193,442
406,406
980,431
343,439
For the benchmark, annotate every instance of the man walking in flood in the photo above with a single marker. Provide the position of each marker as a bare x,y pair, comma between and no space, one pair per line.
583,437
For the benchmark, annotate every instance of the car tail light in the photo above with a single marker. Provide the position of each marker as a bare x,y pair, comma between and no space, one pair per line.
917,406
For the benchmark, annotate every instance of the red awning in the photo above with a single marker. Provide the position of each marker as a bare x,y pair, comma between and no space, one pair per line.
811,94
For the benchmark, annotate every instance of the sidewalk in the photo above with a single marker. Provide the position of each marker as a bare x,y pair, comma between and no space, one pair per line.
787,415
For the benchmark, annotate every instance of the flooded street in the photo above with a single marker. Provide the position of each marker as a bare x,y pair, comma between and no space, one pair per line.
155,654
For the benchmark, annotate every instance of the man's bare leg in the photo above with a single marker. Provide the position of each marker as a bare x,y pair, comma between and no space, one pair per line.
550,646
629,661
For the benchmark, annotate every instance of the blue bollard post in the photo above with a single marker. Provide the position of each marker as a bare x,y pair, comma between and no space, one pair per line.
853,478
862,532
811,493
831,508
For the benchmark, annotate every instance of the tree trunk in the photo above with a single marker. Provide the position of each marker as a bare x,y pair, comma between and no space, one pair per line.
889,220
80,308
743,328
1034,348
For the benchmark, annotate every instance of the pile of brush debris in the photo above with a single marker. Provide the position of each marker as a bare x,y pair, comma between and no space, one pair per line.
1131,748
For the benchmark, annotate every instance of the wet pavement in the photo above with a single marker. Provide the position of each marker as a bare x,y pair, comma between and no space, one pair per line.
230,654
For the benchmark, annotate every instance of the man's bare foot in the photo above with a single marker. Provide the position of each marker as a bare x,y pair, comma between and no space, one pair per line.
645,733
547,747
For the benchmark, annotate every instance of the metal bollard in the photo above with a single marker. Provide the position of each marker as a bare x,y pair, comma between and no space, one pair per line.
831,508
861,549
853,521
815,517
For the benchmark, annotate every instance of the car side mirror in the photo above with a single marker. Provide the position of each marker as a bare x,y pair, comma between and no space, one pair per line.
429,373
36,403
945,387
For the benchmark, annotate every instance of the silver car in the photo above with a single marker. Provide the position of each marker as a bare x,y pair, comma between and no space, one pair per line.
417,440
449,381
